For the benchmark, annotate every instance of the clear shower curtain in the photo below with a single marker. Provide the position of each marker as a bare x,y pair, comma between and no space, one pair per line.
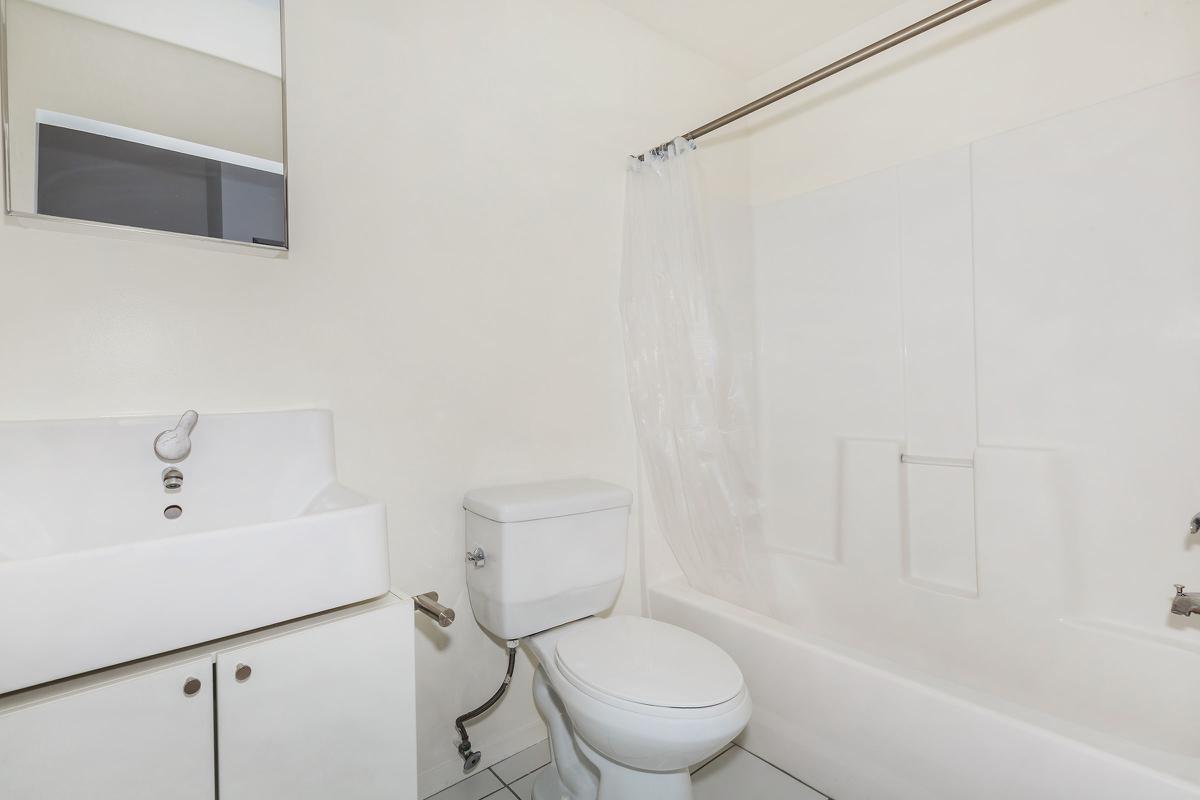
690,398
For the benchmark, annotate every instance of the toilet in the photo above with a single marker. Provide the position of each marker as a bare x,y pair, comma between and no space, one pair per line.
631,703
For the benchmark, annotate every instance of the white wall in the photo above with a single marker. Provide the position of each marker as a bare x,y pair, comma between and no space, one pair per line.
245,32
456,185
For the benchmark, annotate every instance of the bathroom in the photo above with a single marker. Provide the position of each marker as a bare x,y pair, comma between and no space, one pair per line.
941,295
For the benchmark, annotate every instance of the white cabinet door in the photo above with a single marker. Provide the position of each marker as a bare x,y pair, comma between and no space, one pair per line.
324,712
137,738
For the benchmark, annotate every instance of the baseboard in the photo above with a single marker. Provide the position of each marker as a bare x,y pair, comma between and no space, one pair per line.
448,773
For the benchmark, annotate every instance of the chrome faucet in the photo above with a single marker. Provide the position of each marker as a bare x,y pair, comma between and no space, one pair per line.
173,446
1185,604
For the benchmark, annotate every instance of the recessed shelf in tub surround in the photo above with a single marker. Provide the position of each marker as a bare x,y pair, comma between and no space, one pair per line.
938,541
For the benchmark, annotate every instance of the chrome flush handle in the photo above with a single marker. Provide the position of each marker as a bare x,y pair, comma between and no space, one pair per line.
477,557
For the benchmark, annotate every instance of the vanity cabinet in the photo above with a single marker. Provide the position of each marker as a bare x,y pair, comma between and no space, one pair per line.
138,737
319,708
308,715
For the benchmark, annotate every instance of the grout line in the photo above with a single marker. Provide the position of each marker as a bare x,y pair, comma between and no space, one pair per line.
784,771
724,750
519,777
503,785
514,755
508,786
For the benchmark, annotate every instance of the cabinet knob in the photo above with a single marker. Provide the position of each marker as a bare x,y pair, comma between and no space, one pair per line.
242,672
191,686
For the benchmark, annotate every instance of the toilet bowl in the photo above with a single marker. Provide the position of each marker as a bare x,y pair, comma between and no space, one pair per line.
631,703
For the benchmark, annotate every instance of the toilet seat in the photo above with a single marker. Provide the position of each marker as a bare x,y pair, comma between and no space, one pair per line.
633,660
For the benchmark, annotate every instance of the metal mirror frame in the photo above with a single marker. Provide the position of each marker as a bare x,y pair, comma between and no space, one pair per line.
13,214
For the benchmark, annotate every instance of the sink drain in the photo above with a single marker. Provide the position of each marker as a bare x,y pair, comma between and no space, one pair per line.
173,512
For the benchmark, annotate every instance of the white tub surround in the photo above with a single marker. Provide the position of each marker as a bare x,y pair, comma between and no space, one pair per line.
977,411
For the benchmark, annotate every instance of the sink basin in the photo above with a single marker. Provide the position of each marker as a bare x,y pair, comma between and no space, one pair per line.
94,573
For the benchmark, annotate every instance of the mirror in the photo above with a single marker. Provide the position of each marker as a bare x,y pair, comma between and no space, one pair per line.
165,115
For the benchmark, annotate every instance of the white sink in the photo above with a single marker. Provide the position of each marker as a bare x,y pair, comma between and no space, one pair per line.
92,573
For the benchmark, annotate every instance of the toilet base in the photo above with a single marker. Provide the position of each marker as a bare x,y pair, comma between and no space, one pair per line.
549,787
660,786
579,772
621,782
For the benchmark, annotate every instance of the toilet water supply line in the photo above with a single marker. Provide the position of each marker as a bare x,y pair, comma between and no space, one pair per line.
471,757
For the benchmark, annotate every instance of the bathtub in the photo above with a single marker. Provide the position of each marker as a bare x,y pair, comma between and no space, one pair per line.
858,727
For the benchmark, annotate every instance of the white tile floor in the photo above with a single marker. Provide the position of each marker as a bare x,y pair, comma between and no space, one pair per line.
736,773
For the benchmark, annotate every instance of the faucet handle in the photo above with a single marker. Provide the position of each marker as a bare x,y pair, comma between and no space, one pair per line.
1179,587
175,444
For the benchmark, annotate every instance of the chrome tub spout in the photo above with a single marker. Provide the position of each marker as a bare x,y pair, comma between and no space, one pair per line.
1185,604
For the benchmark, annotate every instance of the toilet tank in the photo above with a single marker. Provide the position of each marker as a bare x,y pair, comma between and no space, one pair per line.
554,552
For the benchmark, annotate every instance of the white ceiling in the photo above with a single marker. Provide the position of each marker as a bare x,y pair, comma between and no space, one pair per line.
751,37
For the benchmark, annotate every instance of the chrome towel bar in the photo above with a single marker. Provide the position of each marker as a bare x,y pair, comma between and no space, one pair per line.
428,605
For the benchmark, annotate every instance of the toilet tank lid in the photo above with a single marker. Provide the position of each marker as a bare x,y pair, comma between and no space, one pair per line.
528,501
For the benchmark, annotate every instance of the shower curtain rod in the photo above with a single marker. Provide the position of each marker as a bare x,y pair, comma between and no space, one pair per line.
886,43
